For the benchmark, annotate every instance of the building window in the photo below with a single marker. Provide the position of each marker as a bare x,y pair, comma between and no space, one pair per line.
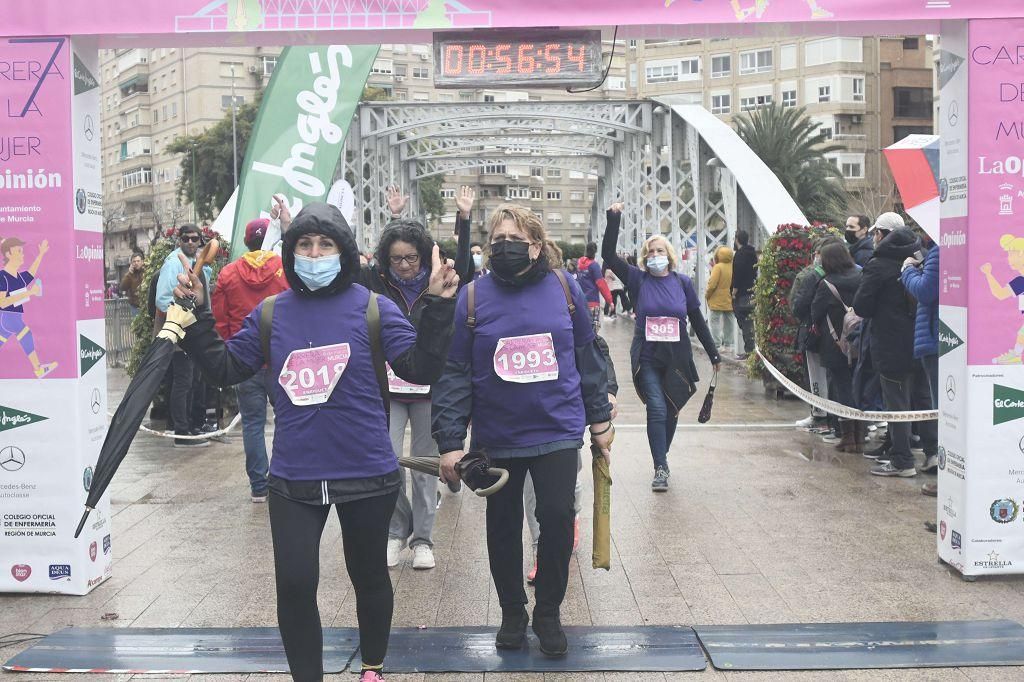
666,73
421,72
858,89
912,102
518,193
554,218
156,116
421,96
137,177
899,132
690,67
831,50
554,195
789,98
750,103
911,43
488,98
402,94
721,104
554,172
401,70
756,61
494,169
787,57
614,83
225,101
536,172
575,196
383,67
853,170
447,193
577,219
824,93
536,194
850,165
269,64
465,96
174,110
721,65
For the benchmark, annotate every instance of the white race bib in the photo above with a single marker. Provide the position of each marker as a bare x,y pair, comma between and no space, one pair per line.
309,375
662,329
526,359
397,384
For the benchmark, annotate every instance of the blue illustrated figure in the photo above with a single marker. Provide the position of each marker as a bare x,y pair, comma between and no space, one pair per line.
16,288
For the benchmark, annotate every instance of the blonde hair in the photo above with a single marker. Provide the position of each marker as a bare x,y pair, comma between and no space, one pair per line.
646,247
527,221
1011,243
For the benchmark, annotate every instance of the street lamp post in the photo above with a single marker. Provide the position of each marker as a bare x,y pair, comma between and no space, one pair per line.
234,137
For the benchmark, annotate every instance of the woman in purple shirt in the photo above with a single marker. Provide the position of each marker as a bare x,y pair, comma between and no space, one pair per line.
661,357
525,368
331,442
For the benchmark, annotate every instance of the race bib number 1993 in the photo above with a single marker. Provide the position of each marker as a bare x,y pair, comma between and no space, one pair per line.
309,375
526,359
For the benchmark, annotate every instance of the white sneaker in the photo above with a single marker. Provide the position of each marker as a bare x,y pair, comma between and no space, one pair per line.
805,423
395,547
422,557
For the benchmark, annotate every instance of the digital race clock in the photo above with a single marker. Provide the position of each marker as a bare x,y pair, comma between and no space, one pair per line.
517,57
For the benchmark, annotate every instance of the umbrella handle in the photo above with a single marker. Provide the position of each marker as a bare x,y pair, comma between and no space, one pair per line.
502,475
81,524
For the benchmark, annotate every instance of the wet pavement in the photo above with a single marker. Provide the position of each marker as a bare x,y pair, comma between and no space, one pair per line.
762,524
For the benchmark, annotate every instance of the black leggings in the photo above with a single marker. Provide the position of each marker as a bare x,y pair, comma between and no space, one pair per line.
296,529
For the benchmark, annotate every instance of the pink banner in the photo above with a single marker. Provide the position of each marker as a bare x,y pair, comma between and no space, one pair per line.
37,258
996,166
138,18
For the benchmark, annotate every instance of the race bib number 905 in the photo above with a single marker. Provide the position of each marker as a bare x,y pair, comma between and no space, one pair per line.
526,359
662,329
309,375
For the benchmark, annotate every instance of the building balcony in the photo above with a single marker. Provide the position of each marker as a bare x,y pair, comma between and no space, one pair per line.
129,131
138,71
135,98
142,192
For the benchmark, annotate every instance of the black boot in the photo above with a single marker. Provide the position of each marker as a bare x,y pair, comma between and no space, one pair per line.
512,633
552,638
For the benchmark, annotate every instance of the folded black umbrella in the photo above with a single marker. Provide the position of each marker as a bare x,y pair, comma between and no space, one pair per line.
125,423
474,469
709,401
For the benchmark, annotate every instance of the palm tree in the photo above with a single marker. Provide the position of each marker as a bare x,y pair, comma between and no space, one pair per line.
792,145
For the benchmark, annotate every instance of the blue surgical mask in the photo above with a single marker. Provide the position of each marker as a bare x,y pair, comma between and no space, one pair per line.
478,260
316,273
657,264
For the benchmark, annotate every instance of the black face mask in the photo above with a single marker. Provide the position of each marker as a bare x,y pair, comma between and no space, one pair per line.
851,237
509,258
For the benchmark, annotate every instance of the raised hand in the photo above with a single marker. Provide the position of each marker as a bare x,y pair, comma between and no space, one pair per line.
189,286
396,200
986,269
44,246
616,207
443,280
465,201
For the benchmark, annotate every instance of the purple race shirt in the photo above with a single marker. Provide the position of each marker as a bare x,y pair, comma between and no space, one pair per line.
11,283
347,435
669,296
508,414
588,279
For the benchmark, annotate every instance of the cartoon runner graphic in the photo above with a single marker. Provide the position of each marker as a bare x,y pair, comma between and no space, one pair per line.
1014,247
759,8
15,289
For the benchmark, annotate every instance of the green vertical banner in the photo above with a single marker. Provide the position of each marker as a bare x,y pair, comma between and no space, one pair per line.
300,129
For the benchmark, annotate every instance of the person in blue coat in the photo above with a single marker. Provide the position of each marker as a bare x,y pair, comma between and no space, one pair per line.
921,280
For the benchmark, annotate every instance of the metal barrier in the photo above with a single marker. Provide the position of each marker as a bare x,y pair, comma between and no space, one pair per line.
119,318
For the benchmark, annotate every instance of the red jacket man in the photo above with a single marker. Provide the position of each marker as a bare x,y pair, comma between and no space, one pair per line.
243,284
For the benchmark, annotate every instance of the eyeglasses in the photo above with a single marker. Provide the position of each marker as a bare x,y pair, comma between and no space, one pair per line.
194,239
411,259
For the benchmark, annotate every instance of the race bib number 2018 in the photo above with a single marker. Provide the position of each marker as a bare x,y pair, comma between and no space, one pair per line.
664,329
309,375
526,359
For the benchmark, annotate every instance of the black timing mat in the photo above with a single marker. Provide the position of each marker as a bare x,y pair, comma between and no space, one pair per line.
832,646
174,650
591,649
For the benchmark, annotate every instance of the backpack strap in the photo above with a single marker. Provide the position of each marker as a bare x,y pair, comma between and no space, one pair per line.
828,318
377,351
471,305
266,324
560,274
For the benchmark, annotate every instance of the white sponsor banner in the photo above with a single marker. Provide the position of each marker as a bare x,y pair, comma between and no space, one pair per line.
85,128
952,119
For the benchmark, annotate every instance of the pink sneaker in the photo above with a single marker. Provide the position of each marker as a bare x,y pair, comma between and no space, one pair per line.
531,577
371,676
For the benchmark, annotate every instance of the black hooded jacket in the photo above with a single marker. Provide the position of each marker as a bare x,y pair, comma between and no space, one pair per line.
882,299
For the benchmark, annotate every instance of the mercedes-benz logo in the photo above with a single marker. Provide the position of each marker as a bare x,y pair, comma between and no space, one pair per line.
94,403
953,115
89,127
12,458
950,388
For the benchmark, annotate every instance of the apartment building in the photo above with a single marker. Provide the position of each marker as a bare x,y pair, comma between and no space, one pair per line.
864,93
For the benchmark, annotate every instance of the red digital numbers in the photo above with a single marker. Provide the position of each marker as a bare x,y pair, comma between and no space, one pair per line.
578,55
453,59
552,58
479,53
500,59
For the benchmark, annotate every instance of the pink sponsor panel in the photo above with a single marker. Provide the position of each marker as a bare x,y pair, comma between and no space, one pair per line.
953,263
88,293
37,327
149,17
996,202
